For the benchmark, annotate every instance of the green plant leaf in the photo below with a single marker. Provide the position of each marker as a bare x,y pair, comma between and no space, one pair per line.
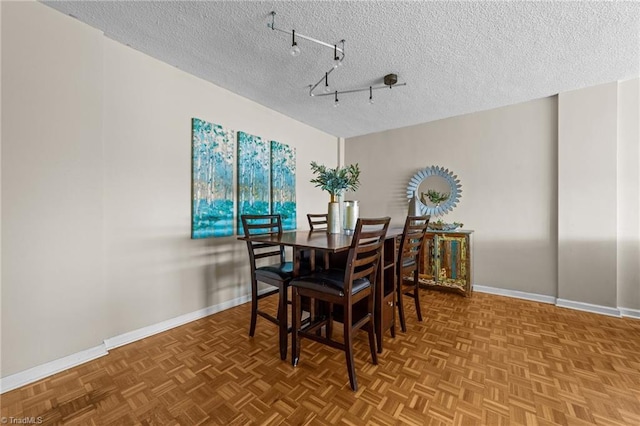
336,181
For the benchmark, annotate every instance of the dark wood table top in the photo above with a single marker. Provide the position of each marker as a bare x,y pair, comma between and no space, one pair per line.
318,240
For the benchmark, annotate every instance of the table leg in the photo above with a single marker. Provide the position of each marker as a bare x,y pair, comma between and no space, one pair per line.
385,292
378,300
283,319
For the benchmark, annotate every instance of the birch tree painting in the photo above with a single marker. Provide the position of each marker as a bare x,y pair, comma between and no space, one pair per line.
213,150
283,183
253,176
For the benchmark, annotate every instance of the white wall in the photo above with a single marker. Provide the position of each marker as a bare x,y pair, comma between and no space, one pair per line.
587,138
0,183
96,172
151,260
52,206
629,194
551,188
506,161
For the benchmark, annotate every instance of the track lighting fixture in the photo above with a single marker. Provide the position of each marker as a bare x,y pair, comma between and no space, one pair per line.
390,80
336,103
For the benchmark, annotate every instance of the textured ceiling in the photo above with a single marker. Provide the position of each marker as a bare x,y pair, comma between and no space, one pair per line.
456,57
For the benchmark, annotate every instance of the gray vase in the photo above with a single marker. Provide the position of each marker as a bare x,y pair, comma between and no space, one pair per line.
333,219
414,206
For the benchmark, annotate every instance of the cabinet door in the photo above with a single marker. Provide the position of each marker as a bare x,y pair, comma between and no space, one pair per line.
451,265
428,260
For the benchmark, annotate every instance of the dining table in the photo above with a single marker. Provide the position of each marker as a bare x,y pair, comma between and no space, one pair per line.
385,284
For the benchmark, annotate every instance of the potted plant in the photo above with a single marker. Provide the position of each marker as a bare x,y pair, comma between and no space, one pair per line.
335,182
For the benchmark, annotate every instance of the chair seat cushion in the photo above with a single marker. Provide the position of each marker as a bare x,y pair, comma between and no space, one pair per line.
330,281
276,271
280,271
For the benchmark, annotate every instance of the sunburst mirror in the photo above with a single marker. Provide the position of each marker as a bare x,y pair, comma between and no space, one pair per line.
438,190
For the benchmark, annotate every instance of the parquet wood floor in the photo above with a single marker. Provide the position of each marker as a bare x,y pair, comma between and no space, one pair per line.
484,360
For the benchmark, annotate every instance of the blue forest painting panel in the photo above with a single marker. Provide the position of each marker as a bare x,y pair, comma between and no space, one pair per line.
212,162
253,176
283,183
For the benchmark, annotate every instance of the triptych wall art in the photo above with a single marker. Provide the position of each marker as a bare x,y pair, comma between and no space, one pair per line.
231,177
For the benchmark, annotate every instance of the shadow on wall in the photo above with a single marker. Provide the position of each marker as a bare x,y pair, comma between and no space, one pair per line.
226,270
580,271
153,276
587,271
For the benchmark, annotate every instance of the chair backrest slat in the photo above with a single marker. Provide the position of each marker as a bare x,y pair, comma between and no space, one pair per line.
364,253
262,225
317,221
412,240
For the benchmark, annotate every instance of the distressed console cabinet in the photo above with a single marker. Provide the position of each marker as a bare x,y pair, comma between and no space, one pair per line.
447,261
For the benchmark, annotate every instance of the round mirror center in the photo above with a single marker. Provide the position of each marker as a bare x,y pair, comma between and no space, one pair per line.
433,191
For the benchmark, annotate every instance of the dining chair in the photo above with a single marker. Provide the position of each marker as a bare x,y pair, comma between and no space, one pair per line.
317,222
407,264
343,288
277,274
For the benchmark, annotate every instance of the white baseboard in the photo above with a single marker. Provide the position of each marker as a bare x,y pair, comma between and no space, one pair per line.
141,333
588,307
562,303
39,372
631,313
516,294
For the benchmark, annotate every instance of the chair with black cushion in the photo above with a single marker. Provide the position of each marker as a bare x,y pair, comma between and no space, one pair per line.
343,288
409,251
317,222
277,274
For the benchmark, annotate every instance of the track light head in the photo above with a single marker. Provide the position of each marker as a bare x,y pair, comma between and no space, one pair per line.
336,59
327,89
295,50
